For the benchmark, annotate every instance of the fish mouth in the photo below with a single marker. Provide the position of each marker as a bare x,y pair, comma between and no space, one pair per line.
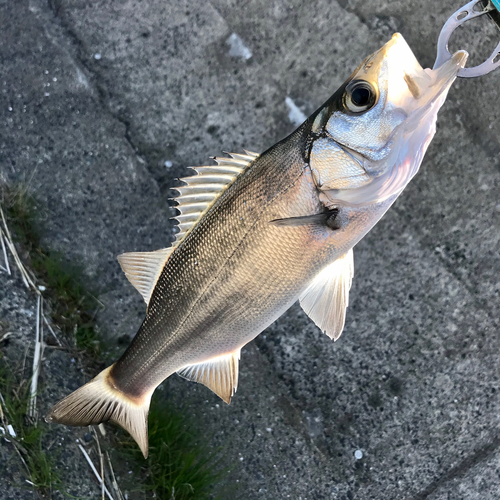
445,75
411,87
433,88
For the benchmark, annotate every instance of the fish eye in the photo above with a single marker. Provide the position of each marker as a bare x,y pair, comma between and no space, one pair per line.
360,96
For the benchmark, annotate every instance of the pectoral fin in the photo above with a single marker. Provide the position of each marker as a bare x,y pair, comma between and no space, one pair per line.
219,374
326,218
327,297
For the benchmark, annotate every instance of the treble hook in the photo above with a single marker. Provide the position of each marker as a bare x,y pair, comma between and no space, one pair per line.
469,11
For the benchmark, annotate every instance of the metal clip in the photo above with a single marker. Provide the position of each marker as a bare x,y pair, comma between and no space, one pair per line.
467,12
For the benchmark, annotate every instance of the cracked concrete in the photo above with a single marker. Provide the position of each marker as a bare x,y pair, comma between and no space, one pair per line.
61,373
413,382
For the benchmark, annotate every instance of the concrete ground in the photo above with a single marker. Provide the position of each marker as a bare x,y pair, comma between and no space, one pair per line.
104,103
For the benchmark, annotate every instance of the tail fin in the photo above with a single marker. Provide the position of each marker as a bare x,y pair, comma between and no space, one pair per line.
99,401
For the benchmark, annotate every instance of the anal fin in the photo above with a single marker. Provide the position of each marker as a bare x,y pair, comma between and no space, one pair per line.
219,374
327,297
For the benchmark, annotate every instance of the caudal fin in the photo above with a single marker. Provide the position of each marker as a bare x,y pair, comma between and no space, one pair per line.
99,401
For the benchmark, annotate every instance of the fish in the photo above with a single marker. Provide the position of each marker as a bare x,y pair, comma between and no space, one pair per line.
257,232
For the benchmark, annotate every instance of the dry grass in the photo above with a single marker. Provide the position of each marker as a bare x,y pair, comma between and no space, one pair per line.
27,436
181,464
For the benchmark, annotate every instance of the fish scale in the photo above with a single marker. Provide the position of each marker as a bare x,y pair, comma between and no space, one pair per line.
259,232
231,254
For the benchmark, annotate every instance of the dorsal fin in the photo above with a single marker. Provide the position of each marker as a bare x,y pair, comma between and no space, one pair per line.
327,297
196,197
202,190
219,374
142,269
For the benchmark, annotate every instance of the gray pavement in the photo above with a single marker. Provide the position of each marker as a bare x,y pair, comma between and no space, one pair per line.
61,372
97,97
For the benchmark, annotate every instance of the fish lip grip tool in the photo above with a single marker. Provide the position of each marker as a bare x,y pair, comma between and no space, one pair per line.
469,11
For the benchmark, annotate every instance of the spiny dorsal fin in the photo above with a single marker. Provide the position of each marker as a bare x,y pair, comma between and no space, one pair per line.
196,197
219,374
142,269
327,297
202,190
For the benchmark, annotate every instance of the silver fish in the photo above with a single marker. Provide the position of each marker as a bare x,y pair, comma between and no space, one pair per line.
258,232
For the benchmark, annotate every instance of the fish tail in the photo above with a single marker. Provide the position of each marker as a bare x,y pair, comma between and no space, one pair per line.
100,401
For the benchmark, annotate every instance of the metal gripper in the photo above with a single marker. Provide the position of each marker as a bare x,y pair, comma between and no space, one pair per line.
469,11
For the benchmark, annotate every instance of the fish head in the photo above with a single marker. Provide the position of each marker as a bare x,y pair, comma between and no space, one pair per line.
379,124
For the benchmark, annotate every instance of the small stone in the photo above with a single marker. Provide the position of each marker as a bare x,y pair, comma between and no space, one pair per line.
97,56
358,454
87,437
237,48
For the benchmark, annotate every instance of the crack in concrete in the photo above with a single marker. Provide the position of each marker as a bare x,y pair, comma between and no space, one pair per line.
460,469
344,5
103,98
102,92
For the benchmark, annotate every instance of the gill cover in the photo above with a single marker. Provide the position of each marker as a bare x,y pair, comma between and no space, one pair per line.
371,136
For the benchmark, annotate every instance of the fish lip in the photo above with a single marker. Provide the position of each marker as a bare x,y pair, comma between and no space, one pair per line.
442,77
446,73
458,59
